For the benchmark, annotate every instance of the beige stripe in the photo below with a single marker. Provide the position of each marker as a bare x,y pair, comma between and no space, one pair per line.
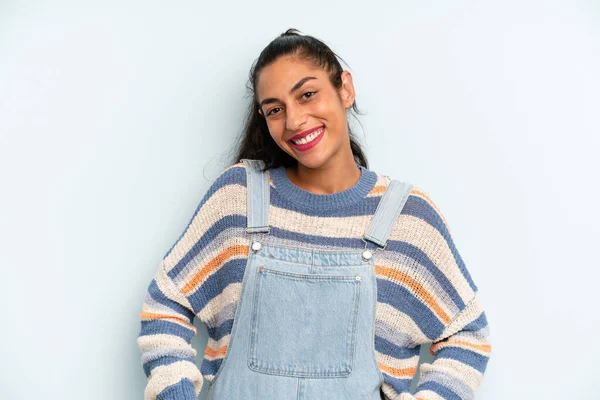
465,373
439,296
388,391
415,268
229,295
469,338
233,196
400,321
220,244
151,305
164,376
163,310
151,342
391,394
209,378
470,313
329,227
428,239
166,285
383,180
216,345
421,394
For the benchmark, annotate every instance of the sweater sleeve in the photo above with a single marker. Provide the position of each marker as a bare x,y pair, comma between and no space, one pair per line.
460,355
168,358
175,296
462,348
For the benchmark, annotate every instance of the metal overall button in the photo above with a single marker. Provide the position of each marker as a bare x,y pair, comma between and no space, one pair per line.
256,246
366,255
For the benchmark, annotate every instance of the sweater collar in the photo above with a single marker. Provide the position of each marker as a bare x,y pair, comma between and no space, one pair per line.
307,199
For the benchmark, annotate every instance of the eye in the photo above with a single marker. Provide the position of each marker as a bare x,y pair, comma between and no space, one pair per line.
270,112
311,94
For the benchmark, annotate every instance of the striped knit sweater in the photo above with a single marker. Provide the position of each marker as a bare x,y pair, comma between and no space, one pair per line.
424,292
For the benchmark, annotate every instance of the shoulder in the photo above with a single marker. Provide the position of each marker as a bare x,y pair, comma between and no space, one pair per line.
234,174
226,194
423,234
421,220
419,203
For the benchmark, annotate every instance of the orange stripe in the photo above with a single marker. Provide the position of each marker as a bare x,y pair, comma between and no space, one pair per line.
209,352
212,265
379,189
397,372
481,347
419,290
155,316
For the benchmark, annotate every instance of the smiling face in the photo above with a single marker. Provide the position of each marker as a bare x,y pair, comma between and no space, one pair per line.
296,98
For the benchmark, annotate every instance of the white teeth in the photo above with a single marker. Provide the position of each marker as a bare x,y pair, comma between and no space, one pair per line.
309,138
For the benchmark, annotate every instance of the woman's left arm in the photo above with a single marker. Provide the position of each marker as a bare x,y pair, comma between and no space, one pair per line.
461,356
461,343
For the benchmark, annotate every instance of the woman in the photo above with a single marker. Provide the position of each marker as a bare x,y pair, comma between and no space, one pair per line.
316,277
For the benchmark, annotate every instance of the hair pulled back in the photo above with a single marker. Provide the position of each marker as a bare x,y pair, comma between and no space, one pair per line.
256,142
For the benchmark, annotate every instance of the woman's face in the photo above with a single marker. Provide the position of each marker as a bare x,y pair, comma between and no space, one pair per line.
295,98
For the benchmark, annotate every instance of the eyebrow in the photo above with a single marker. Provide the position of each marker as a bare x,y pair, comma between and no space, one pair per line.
292,90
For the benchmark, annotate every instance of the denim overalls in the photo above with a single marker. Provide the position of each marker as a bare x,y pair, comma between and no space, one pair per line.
304,326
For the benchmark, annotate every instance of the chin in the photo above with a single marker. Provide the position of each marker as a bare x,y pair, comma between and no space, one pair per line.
313,161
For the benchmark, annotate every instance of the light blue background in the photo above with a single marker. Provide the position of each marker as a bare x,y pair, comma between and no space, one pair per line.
115,118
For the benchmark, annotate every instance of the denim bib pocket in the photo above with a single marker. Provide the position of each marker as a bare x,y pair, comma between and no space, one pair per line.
303,324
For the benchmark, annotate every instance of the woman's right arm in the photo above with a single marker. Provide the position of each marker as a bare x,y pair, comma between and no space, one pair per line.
168,358
178,292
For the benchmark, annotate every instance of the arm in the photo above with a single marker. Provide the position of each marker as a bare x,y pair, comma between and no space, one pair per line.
168,357
462,347
179,292
461,356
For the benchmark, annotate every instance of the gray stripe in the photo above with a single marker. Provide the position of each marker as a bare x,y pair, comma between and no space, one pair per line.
227,313
155,354
451,382
393,335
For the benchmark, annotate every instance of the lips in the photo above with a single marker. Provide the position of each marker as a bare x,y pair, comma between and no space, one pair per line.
305,133
312,143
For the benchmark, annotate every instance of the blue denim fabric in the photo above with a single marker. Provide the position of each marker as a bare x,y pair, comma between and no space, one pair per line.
304,327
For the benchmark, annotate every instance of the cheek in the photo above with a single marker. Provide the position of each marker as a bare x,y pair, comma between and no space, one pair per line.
276,131
330,110
323,107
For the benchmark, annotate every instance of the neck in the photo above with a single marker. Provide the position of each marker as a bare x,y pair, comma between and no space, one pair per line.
333,177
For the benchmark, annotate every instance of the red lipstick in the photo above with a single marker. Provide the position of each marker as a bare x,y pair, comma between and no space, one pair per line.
312,143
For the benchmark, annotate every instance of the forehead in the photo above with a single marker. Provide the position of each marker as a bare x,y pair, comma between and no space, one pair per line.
276,79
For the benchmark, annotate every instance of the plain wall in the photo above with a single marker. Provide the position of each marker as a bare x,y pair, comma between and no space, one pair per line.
115,118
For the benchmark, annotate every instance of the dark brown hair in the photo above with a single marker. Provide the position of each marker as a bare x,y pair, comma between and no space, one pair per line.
255,141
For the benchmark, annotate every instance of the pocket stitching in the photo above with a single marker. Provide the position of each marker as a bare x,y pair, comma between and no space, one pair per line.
255,322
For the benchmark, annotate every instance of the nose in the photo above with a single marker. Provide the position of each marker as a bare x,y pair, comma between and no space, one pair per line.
294,118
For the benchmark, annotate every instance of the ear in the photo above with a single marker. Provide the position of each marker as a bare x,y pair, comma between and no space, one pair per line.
347,90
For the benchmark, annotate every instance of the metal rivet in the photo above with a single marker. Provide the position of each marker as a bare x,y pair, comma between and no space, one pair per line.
256,246
260,268
358,277
367,255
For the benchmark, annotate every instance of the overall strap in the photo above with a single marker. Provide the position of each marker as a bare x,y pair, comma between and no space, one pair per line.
258,201
387,212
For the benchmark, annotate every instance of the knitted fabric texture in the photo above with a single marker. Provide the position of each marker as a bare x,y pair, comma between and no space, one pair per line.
425,294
